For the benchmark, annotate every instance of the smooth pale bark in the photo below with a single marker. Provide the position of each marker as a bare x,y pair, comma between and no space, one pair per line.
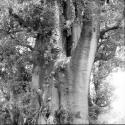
80,67
60,97
66,76
35,78
63,95
57,37
40,71
76,32
37,101
38,74
54,99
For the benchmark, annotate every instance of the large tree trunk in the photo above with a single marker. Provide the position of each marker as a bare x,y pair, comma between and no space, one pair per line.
42,70
81,64
38,79
64,76
57,36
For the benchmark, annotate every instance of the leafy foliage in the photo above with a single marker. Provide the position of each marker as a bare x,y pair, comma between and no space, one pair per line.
63,117
29,20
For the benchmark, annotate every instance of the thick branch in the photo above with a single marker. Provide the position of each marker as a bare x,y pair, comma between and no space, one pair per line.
109,28
102,33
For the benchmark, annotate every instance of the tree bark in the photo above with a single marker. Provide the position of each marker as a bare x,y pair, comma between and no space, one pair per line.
38,79
76,31
81,64
57,36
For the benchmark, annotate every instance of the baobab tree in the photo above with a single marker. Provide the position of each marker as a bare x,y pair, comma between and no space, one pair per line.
64,28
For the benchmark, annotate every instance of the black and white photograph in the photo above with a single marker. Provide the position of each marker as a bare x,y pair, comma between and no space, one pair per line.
62,62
